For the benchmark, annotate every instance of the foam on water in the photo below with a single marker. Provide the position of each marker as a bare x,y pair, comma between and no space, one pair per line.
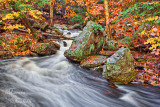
129,96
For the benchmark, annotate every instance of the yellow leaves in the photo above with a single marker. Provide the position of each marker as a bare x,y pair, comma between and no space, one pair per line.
3,44
10,27
11,16
3,1
36,14
154,46
154,2
154,41
152,19
16,14
151,40
143,33
8,16
29,31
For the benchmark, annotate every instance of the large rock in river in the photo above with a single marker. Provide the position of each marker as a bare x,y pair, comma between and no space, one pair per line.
88,42
119,67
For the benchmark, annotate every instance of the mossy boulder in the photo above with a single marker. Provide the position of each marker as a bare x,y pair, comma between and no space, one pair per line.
119,67
43,49
86,43
93,61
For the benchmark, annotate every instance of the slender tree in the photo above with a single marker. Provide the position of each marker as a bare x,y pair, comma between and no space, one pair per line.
51,12
108,31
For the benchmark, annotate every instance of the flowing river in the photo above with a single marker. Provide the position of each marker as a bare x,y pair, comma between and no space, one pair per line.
53,81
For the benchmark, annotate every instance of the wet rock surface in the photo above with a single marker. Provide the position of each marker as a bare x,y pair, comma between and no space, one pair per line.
119,67
85,44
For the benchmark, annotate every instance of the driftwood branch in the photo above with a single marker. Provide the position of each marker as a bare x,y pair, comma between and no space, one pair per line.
56,37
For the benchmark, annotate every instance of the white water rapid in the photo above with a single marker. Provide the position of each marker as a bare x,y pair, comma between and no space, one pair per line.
53,81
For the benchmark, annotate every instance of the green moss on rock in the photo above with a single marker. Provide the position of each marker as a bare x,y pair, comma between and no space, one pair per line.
85,44
119,67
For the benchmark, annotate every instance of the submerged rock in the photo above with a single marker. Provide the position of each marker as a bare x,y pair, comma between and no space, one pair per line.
119,67
93,61
86,43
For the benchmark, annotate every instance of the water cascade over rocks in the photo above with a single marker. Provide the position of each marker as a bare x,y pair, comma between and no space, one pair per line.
86,46
52,81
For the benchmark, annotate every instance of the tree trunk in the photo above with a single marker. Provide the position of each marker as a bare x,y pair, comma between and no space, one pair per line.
51,13
108,31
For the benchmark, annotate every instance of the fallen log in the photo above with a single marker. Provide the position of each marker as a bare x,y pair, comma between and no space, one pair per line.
50,35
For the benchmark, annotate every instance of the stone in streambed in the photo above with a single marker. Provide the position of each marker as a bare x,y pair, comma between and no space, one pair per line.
119,67
86,43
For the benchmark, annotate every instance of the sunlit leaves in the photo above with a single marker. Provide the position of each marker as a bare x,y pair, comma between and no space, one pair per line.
10,27
17,44
36,14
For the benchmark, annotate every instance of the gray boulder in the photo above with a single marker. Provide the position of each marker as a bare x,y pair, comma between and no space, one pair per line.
86,43
119,67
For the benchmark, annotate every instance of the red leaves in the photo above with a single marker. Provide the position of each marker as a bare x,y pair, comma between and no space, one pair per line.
150,74
73,47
